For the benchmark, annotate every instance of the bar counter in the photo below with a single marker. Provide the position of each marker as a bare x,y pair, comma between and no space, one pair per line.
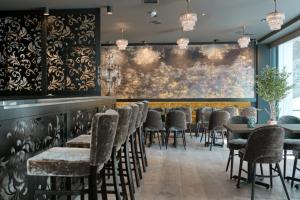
28,127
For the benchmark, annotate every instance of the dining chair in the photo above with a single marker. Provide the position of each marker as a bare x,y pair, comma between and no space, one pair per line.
264,146
154,125
204,116
233,111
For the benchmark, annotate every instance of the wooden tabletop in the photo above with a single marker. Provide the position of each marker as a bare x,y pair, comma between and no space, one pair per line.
243,128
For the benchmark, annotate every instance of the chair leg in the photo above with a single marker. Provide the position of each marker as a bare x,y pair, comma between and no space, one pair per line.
128,171
228,161
240,173
121,174
184,140
294,171
158,139
30,183
212,133
231,163
93,193
135,164
68,187
253,180
284,163
167,138
115,175
271,175
261,169
53,186
282,181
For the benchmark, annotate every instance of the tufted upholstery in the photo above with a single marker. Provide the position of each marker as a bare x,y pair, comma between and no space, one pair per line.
265,145
140,114
145,111
153,121
249,112
82,141
123,126
176,120
104,127
218,119
133,119
233,111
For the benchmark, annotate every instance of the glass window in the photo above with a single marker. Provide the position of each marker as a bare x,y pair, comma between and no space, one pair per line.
289,58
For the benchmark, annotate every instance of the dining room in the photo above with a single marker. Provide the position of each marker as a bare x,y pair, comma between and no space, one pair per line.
150,99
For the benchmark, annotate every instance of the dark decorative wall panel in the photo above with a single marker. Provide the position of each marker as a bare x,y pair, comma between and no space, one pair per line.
71,50
21,53
166,72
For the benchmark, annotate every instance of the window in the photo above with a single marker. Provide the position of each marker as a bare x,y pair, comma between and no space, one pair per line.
289,58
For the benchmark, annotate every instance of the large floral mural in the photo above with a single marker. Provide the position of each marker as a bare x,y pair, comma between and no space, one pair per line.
164,71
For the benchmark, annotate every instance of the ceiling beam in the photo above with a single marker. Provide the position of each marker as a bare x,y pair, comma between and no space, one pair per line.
284,26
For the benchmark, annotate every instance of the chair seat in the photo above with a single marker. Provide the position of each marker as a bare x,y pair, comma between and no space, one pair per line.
237,143
290,144
82,141
60,161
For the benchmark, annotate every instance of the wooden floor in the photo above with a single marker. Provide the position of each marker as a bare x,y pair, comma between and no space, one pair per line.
199,174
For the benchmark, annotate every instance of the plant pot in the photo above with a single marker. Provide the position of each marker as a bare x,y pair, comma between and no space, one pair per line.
271,122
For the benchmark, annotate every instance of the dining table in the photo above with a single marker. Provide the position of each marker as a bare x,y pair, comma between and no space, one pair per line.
243,131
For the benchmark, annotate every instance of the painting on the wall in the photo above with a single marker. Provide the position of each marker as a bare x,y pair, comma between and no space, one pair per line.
166,72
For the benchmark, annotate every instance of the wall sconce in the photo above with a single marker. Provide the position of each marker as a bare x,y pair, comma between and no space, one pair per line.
109,10
46,11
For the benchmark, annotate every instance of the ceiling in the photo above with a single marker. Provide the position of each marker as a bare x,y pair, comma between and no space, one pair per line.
223,17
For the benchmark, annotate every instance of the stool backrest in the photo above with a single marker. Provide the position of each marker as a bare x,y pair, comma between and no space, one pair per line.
145,111
265,145
288,119
176,120
104,127
233,111
123,126
218,119
249,112
133,119
140,115
153,121
238,120
188,113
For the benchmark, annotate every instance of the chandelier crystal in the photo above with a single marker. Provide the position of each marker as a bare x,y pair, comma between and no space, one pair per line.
275,19
122,43
183,43
188,20
244,41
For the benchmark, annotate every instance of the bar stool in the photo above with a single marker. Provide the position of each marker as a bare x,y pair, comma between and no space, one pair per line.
154,125
75,162
143,154
176,122
138,143
115,163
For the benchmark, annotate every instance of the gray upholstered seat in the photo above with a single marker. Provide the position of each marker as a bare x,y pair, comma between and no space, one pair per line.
82,141
60,161
237,143
145,111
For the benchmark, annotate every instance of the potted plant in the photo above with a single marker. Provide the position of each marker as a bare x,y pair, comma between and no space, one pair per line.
272,86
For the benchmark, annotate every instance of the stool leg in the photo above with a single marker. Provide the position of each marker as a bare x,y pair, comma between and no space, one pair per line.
294,171
282,181
228,161
135,165
128,171
121,174
253,180
261,169
115,174
271,175
53,186
231,162
93,183
68,187
284,163
30,184
144,149
103,186
137,156
240,173
141,147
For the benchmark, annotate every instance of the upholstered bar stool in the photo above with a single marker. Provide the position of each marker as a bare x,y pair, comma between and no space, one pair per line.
235,142
264,146
291,140
296,153
154,125
115,164
142,154
176,123
138,143
215,128
75,162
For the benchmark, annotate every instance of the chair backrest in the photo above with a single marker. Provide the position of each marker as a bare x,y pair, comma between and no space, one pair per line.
288,119
233,111
249,112
158,109
188,113
153,121
218,119
140,115
199,115
133,120
176,120
104,127
206,113
123,126
145,110
265,145
238,120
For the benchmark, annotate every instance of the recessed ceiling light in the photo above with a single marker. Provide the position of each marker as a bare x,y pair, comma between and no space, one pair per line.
153,13
203,14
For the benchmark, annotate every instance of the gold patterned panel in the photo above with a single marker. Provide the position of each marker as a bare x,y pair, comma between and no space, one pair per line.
193,105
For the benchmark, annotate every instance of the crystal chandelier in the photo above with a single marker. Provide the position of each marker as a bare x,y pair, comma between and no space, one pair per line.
244,40
122,43
188,20
275,19
183,43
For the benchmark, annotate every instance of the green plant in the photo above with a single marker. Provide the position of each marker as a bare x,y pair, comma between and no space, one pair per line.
272,85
